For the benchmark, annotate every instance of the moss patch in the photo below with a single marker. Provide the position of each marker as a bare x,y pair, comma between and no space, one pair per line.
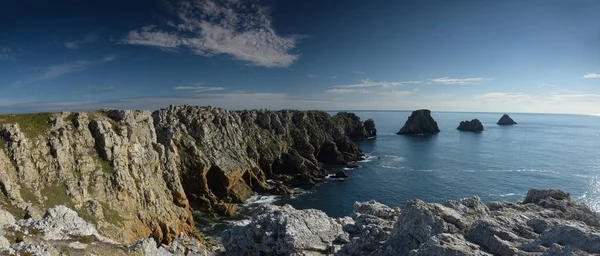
57,195
27,194
32,125
105,166
111,216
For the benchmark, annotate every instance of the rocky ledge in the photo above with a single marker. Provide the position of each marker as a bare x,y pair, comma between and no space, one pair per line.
138,174
354,128
419,122
547,222
470,126
506,120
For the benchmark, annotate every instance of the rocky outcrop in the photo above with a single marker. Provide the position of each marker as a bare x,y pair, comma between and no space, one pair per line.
136,174
547,222
506,120
226,156
470,126
62,232
420,122
353,127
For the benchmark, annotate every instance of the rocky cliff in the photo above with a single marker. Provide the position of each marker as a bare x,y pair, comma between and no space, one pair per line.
136,174
547,222
354,127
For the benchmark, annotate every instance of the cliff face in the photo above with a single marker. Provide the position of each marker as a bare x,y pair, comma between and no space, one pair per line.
136,174
354,127
419,122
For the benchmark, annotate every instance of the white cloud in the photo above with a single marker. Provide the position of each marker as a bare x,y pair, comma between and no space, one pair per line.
5,52
343,90
459,81
592,75
75,44
508,96
369,83
55,71
311,76
199,88
236,28
580,97
400,93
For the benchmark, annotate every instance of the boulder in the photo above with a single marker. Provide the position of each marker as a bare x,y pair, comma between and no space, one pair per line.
283,230
470,126
506,120
420,122
341,175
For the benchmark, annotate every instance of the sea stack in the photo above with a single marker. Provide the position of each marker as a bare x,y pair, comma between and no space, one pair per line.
420,122
506,120
470,126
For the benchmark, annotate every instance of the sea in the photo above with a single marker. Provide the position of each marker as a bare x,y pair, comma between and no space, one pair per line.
500,163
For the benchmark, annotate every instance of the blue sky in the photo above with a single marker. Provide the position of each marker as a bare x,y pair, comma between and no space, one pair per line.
497,56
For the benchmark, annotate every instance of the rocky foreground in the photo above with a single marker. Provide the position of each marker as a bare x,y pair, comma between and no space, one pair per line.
547,222
140,174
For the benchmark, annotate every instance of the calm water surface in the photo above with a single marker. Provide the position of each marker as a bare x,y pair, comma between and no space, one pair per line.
502,163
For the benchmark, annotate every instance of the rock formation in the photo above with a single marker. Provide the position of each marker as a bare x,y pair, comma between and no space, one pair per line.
547,222
470,126
506,120
136,174
62,232
420,122
354,128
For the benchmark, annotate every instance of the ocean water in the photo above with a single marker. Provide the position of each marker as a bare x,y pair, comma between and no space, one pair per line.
501,163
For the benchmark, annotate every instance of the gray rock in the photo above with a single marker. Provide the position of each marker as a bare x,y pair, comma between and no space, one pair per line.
376,209
283,230
470,126
506,120
420,122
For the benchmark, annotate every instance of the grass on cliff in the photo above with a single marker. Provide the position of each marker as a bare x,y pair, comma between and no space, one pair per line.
31,124
111,216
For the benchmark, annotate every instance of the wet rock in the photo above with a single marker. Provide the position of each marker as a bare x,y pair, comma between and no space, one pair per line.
420,122
341,175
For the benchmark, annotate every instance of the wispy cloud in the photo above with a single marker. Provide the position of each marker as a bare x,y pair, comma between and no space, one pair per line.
311,76
592,75
504,96
580,97
5,52
541,85
400,93
240,29
56,71
198,88
358,72
343,90
458,81
368,83
75,44
334,77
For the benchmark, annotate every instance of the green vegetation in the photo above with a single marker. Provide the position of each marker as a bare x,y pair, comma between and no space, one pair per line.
27,194
32,125
83,239
57,195
111,216
70,118
106,166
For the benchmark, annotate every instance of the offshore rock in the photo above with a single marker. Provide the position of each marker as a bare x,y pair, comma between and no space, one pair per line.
420,122
470,126
506,120
547,222
353,127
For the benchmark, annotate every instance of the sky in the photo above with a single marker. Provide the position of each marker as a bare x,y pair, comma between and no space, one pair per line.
535,56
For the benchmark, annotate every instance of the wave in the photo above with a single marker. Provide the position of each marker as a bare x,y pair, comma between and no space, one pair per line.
516,170
592,196
368,158
261,199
